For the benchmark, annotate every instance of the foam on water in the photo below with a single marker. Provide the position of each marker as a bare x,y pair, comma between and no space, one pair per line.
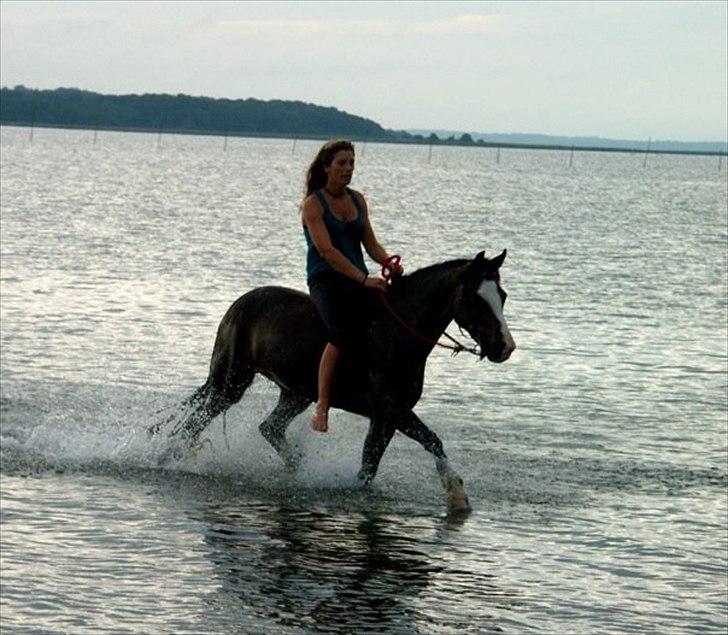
105,429
92,425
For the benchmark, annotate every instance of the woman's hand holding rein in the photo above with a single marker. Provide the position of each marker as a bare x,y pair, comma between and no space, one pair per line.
391,268
375,282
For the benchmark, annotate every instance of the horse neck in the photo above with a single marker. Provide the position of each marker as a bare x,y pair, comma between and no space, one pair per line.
426,297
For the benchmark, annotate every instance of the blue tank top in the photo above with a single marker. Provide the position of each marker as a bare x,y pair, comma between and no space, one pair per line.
346,236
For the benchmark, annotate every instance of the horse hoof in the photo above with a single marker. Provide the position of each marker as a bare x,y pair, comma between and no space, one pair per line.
364,478
290,455
459,504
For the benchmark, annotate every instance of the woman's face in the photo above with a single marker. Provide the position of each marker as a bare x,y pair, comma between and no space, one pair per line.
341,168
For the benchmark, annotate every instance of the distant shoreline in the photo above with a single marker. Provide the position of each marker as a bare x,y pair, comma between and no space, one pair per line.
319,137
75,109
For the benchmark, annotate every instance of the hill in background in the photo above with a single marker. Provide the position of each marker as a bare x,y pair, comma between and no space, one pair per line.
70,107
74,108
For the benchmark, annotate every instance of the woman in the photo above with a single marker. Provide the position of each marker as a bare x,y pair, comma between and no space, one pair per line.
336,225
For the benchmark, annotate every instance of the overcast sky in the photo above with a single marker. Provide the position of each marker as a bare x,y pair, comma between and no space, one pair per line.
620,70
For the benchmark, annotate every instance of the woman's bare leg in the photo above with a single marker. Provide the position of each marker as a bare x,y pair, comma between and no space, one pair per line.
327,368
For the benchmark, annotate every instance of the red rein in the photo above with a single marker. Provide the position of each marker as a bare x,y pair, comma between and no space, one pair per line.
390,266
390,270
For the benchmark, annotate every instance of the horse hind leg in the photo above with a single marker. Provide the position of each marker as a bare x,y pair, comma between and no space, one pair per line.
274,427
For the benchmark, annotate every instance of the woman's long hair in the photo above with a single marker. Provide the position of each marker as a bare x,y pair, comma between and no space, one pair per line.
316,175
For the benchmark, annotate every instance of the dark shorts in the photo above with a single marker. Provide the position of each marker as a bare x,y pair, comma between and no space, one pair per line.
343,306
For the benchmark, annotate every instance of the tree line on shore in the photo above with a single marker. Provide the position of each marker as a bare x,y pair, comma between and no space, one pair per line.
74,108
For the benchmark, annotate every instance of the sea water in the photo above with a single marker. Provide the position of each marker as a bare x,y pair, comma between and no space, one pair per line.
595,458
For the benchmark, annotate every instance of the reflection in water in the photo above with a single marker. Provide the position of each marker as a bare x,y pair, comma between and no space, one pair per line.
348,572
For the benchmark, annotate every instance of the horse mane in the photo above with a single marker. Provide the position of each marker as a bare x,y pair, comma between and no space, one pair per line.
422,276
430,271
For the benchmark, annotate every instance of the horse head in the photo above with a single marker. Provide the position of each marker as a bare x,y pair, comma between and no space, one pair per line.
479,305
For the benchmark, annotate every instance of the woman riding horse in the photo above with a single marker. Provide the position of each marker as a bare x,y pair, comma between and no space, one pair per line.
336,224
282,334
276,332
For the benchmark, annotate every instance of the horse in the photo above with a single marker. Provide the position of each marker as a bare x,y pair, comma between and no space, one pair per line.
276,332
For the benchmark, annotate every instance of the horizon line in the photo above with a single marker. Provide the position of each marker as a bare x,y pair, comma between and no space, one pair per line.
420,142
650,140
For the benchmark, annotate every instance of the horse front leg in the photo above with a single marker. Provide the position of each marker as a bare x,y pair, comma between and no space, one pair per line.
413,427
378,438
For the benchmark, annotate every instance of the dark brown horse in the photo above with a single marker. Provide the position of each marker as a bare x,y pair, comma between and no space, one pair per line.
276,332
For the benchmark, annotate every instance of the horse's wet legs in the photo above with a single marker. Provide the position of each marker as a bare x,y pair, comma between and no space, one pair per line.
274,427
413,427
378,438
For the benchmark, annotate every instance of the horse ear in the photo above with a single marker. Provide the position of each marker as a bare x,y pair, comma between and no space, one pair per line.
475,268
498,260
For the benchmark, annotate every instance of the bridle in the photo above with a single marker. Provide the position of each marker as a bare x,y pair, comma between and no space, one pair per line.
389,267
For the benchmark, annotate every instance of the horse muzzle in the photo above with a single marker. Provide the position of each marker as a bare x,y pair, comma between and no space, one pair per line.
498,352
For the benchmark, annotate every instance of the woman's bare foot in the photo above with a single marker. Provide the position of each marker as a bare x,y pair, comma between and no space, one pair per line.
320,420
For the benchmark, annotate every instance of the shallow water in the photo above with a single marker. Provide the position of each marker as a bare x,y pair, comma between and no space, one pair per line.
595,458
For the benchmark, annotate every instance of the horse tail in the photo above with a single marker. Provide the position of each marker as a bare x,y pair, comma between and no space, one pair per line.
196,411
230,375
183,410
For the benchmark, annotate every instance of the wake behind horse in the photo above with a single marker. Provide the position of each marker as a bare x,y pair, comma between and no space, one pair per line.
276,332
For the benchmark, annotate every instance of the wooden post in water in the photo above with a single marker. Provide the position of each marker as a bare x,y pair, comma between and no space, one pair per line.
32,125
293,149
647,152
571,157
720,163
159,136
96,133
497,156
363,148
224,144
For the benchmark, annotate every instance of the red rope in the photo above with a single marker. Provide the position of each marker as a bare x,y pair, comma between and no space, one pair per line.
390,270
390,267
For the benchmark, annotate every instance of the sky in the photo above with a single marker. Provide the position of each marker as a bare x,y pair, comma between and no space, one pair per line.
621,70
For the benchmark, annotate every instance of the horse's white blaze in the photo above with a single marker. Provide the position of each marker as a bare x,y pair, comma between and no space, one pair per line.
488,290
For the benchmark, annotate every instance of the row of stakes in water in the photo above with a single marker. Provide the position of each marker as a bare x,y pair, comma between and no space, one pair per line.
646,152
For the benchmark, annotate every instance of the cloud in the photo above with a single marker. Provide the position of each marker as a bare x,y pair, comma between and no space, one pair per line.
475,23
462,24
305,27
